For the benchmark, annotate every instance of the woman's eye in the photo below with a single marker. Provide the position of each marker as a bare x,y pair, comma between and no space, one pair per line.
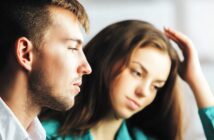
136,73
157,88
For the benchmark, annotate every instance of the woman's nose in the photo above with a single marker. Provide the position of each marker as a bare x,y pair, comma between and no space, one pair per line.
142,89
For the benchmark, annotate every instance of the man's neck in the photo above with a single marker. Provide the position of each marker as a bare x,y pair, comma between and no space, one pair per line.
18,99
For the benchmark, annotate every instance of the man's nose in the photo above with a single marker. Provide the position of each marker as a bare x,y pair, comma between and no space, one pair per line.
84,67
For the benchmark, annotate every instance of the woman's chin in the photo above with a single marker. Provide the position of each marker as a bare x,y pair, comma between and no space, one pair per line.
123,115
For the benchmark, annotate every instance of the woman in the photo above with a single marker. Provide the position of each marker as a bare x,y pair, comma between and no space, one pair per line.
130,94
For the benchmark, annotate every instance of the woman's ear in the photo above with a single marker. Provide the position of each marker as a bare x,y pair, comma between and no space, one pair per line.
24,53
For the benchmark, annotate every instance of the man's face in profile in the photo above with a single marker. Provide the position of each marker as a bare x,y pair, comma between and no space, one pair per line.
59,63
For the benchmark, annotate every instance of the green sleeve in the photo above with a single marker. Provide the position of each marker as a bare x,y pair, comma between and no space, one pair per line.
207,119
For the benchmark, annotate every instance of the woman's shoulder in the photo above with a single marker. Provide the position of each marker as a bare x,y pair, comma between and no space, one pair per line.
138,134
51,127
132,133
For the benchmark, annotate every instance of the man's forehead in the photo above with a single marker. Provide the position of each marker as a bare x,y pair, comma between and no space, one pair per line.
66,23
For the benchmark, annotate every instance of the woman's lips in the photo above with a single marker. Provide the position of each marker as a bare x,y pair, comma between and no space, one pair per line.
133,105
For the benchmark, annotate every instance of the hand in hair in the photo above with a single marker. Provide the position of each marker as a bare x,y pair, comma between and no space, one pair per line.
190,69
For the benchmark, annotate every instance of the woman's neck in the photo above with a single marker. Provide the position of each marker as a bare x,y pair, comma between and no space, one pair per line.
106,129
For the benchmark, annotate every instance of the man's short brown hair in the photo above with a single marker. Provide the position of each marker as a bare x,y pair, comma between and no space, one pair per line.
30,18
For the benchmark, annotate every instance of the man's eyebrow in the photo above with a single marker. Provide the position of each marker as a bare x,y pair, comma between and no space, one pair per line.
79,41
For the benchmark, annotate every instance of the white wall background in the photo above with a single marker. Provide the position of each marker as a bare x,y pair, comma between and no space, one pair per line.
192,17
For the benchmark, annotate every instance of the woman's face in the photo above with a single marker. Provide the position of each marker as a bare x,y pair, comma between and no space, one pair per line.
137,85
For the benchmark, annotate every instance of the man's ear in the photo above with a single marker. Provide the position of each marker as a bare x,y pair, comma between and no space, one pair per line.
24,53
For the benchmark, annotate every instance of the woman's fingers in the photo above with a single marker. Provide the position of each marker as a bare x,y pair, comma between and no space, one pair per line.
179,37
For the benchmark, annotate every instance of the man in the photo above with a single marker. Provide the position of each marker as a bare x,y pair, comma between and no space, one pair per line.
41,62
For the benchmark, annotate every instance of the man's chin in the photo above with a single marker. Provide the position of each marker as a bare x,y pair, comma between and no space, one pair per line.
68,107
62,106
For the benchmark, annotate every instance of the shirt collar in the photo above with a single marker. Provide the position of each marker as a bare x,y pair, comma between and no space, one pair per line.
123,133
11,128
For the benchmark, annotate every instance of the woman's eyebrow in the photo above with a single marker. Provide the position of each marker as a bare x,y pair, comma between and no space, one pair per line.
141,66
146,71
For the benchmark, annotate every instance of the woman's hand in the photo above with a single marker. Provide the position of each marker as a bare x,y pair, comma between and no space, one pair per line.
190,69
190,66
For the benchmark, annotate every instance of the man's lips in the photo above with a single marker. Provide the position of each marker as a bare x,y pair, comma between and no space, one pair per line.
77,89
77,86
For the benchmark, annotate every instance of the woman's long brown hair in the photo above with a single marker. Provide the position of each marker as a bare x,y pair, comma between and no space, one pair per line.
108,53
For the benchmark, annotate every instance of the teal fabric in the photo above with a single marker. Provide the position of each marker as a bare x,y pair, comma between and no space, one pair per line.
52,126
206,115
123,133
207,119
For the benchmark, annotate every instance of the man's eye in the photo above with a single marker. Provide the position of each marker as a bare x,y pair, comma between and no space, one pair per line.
73,49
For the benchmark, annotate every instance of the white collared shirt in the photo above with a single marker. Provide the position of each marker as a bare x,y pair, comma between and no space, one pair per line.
12,129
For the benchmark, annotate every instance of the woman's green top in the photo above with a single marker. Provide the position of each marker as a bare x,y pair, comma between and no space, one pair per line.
206,116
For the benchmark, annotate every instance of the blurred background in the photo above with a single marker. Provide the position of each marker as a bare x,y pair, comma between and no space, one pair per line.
191,17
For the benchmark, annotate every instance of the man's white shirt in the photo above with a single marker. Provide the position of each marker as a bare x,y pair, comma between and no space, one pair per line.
12,129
